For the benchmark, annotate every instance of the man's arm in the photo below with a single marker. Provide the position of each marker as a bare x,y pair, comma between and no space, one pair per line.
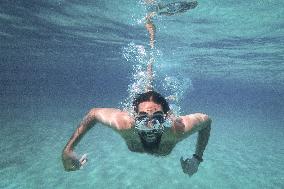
200,123
107,116
86,124
187,125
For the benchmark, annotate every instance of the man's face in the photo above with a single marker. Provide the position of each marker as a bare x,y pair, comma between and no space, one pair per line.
149,109
153,112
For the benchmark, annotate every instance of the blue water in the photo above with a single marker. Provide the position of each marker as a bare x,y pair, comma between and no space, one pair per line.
60,58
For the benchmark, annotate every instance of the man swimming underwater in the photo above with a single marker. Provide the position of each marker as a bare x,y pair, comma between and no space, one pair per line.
146,130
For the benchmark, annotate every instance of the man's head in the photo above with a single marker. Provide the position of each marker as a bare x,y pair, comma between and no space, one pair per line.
151,108
151,96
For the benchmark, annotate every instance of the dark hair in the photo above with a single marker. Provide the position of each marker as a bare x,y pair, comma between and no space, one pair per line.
151,96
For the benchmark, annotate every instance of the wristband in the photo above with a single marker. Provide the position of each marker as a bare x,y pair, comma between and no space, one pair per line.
198,157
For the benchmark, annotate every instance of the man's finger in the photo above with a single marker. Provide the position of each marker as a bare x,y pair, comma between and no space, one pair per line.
83,159
182,161
183,164
83,162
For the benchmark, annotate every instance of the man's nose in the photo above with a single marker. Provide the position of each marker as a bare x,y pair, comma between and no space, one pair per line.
150,124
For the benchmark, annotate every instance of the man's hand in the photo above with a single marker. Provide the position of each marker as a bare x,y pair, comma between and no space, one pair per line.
71,162
189,166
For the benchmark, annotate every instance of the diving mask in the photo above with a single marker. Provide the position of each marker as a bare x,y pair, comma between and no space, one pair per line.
150,125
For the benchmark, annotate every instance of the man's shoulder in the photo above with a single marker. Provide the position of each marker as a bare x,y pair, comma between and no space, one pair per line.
113,117
195,119
109,111
124,119
199,116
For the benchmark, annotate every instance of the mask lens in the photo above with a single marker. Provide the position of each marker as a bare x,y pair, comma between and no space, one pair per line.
155,121
159,117
142,118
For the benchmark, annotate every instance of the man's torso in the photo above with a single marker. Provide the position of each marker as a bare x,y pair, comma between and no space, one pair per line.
166,145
